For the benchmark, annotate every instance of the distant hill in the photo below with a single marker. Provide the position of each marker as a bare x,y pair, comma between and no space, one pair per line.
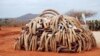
18,21
27,16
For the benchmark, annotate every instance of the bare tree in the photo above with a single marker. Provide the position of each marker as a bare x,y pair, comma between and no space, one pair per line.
78,14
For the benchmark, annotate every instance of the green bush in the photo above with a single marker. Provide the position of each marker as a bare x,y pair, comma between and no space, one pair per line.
94,25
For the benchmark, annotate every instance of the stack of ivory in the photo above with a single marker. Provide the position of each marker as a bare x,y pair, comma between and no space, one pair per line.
51,31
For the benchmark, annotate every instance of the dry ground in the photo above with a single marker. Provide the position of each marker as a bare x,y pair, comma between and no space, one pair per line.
7,40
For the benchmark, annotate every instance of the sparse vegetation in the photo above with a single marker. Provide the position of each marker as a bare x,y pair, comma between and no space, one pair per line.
94,25
12,22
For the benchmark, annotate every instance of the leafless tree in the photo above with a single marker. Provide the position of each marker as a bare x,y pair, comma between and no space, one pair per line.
78,14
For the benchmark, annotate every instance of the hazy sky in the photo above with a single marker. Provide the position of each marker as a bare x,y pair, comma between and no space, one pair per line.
15,8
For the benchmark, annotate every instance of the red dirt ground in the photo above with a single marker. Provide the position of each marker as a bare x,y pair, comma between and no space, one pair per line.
7,40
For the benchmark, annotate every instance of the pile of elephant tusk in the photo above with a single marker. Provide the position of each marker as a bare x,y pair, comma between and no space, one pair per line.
53,32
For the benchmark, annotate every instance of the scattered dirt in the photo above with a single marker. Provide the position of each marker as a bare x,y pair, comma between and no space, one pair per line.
7,40
5,31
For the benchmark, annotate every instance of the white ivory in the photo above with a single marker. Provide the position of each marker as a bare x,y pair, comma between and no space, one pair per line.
97,37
